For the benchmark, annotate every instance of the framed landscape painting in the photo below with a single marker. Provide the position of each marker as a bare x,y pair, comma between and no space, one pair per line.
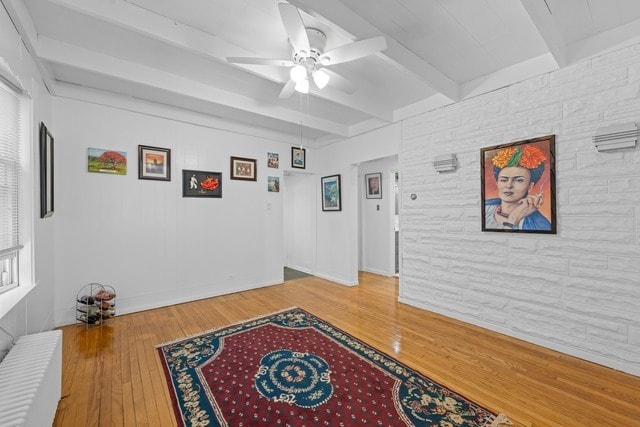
518,189
107,161
201,184
154,163
331,197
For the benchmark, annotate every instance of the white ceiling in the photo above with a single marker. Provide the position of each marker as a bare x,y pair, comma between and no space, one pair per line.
173,52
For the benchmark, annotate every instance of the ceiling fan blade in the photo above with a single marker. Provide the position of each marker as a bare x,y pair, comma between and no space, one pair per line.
338,82
295,27
261,61
354,50
287,90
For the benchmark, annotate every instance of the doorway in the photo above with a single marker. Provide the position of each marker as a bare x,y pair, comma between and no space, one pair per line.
291,274
395,176
299,221
377,217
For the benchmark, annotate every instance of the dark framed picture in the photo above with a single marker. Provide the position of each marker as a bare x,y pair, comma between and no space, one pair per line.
518,190
46,172
243,169
154,163
201,184
331,199
298,157
273,160
373,183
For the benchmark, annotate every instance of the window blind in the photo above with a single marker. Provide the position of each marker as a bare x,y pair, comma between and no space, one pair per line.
10,167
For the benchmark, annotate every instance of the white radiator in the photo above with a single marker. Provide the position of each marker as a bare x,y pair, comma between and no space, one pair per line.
31,381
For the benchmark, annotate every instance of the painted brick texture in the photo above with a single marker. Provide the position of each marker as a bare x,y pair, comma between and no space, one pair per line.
578,291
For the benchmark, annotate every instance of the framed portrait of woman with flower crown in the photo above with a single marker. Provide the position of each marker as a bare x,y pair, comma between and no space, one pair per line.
518,189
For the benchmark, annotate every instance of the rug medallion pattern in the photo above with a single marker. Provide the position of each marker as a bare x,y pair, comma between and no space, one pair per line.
291,368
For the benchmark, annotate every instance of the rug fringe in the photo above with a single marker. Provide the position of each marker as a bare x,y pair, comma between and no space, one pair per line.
222,327
499,420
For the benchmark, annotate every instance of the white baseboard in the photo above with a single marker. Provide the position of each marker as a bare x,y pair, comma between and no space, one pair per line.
66,316
334,279
304,270
378,272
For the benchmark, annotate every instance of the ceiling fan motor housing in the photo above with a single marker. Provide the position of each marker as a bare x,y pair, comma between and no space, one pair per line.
317,43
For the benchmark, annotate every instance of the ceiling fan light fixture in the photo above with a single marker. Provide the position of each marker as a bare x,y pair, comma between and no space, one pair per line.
320,78
303,86
298,73
309,54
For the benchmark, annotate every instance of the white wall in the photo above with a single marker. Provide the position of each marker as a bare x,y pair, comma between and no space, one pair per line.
142,237
33,311
337,244
300,209
377,235
578,291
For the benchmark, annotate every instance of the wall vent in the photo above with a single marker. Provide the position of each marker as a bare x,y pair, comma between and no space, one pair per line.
616,136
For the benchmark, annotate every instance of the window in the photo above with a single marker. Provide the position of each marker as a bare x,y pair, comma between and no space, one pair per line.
10,174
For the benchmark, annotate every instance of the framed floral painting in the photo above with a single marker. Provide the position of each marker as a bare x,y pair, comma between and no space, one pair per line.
518,190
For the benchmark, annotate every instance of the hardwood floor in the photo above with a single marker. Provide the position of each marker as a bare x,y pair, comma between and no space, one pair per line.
112,375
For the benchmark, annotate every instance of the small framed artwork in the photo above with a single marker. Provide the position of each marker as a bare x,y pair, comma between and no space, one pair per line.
201,184
46,172
518,190
331,199
273,160
373,183
298,157
154,163
243,169
273,184
107,161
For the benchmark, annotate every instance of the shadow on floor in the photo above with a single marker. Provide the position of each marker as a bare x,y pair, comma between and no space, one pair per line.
291,274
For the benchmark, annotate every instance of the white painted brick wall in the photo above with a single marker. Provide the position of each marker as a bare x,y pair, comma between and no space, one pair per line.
578,291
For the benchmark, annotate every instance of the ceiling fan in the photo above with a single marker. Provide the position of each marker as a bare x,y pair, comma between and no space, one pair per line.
309,60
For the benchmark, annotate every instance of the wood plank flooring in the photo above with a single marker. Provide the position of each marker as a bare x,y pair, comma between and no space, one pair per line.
112,375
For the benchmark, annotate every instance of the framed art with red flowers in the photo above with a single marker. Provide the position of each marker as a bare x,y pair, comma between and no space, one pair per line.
201,184
518,190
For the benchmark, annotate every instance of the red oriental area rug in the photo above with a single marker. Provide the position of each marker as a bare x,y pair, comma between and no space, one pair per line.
292,369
